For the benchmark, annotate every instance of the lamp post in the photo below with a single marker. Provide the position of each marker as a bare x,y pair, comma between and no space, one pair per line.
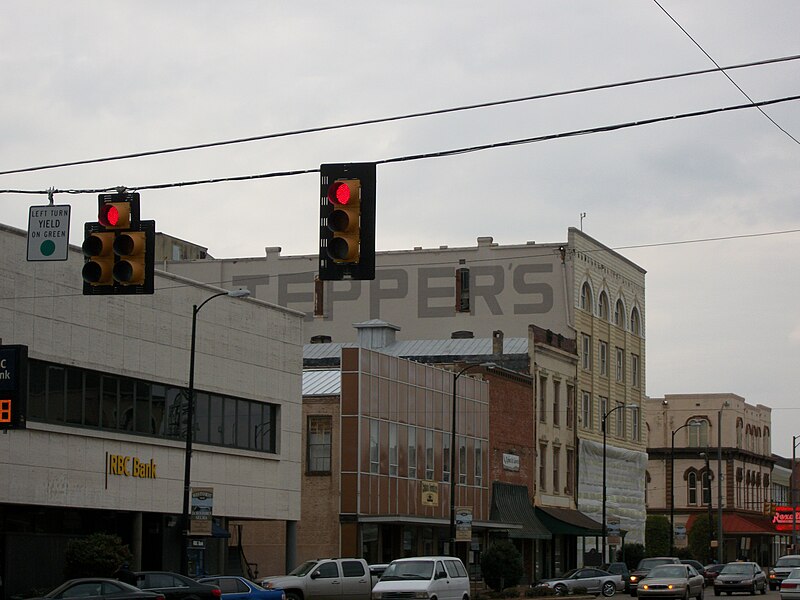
720,553
710,520
187,465
453,471
795,441
692,423
605,444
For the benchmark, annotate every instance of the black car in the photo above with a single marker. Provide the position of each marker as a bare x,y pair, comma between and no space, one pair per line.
618,568
173,586
101,588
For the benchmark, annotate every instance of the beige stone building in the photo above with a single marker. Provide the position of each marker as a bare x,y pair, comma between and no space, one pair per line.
684,431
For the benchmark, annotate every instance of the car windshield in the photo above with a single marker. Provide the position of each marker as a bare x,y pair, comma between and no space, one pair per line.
737,569
788,561
649,563
569,574
668,571
408,569
304,569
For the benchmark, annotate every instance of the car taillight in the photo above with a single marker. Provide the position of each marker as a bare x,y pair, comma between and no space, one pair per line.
160,597
216,593
788,586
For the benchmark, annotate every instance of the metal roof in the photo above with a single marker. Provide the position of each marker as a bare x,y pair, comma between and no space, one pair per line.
427,348
322,382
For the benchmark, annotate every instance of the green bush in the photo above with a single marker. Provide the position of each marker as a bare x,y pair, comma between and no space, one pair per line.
97,555
501,565
538,591
657,536
699,536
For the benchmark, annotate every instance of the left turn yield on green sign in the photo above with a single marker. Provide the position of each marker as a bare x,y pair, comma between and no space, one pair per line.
48,232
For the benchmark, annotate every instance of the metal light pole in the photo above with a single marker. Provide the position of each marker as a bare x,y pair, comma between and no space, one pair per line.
719,481
672,482
795,440
605,444
187,465
710,498
453,472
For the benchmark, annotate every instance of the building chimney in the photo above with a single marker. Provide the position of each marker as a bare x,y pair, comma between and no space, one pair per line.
497,343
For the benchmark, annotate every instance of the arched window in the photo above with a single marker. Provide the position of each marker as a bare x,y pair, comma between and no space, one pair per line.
706,487
635,323
767,444
603,306
739,433
619,313
691,480
586,297
698,435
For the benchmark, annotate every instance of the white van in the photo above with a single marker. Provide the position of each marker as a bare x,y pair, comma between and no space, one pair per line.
440,577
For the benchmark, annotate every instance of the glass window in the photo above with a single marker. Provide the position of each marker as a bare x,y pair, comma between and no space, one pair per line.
604,358
319,444
352,568
393,453
692,484
37,390
242,424
74,412
259,426
620,365
619,311
556,473
635,370
229,422
429,464
570,405
374,447
216,419
602,307
586,352
126,417
446,457
158,407
586,297
586,411
110,401
634,423
327,570
635,322
91,399
201,417
542,399
478,463
462,460
556,403
143,407
570,470
56,382
620,428
412,452
543,466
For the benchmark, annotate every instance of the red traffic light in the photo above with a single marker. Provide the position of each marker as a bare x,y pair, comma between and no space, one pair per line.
339,192
115,215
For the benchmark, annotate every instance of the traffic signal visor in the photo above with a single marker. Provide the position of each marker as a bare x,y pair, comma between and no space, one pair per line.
115,215
98,248
130,247
344,220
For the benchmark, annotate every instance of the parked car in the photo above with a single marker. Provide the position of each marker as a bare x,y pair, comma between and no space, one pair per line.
238,588
102,589
672,581
740,577
424,577
173,586
712,571
324,578
376,571
790,587
698,566
644,566
596,581
783,566
618,568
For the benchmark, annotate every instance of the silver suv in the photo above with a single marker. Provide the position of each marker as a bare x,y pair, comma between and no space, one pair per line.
782,568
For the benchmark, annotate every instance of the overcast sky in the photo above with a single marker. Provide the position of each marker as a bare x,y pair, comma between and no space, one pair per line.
92,79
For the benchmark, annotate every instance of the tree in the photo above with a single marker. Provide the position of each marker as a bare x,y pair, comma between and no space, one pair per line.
97,555
632,555
501,565
699,536
657,536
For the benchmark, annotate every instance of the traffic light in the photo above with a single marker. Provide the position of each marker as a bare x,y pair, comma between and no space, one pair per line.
347,221
119,248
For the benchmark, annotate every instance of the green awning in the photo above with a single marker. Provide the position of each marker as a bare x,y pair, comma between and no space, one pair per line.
567,521
510,504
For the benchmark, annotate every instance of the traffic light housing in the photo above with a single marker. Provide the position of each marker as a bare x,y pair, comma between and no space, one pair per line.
347,221
119,248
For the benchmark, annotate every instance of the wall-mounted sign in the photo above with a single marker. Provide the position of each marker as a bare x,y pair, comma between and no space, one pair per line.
430,493
130,466
464,524
202,508
13,386
511,462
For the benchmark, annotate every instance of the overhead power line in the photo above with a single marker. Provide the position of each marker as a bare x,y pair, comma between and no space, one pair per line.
437,154
415,115
736,85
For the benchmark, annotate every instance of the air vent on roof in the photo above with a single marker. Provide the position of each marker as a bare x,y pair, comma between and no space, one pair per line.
320,339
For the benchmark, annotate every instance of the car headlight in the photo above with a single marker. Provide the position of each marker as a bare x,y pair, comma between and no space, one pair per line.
747,581
634,578
645,586
421,595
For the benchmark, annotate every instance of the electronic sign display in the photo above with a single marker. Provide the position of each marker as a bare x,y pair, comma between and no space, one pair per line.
13,386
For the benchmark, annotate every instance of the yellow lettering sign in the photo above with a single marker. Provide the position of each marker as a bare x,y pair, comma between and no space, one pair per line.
131,466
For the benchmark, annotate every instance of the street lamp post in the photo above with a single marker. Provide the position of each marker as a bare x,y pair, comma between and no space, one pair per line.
795,441
719,481
710,519
187,465
605,444
692,423
453,471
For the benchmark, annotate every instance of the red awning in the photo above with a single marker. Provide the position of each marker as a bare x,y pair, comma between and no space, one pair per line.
736,524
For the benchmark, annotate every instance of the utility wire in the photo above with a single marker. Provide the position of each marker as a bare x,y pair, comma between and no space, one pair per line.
438,154
738,87
416,115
